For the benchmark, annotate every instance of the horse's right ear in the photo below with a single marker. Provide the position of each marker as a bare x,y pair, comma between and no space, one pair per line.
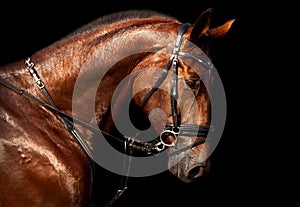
202,27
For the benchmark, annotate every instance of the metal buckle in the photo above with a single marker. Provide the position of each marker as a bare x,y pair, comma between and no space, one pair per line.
30,66
166,133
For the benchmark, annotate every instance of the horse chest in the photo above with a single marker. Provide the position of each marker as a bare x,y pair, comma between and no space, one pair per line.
43,159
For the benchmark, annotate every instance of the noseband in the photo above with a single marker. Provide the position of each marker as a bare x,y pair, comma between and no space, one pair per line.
157,145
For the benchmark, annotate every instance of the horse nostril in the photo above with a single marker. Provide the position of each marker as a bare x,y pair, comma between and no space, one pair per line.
194,172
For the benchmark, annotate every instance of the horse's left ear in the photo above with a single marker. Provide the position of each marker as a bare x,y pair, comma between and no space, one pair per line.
202,27
220,31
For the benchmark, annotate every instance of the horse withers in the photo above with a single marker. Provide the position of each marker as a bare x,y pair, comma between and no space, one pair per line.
47,160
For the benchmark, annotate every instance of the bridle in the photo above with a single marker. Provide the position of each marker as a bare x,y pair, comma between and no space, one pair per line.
155,146
176,129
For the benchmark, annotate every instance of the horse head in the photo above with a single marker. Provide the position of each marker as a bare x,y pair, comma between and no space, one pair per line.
195,106
170,89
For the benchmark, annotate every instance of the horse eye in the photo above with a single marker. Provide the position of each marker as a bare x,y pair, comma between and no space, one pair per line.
191,83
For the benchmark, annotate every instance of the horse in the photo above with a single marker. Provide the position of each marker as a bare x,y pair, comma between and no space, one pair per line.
122,64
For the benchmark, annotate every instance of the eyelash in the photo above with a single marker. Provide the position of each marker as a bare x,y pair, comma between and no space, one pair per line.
191,84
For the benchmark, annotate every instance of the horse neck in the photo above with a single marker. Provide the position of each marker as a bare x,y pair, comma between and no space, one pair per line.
60,64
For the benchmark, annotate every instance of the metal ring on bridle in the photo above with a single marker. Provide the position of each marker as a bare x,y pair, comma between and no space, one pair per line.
159,147
176,130
165,134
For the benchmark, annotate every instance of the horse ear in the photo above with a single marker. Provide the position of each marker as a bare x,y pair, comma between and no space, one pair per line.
220,31
202,27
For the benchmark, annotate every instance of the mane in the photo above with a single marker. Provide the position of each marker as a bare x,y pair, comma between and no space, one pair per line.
118,17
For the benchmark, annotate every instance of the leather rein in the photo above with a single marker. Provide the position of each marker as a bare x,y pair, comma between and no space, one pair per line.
155,146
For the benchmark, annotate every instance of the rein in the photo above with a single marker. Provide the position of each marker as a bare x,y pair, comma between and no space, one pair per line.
69,121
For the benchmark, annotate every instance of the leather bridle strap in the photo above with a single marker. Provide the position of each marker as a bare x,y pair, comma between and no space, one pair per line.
40,84
174,78
69,126
158,83
66,119
191,129
183,149
175,53
47,106
151,147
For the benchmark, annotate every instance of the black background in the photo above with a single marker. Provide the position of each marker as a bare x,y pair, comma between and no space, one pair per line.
241,172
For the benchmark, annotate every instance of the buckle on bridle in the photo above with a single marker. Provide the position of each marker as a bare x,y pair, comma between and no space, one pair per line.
30,67
167,134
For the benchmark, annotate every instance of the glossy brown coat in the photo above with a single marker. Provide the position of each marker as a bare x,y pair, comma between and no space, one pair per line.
40,163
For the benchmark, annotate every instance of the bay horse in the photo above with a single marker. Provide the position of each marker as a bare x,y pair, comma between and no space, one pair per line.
47,154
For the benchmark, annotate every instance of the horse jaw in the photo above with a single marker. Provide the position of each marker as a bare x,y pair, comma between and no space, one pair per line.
190,165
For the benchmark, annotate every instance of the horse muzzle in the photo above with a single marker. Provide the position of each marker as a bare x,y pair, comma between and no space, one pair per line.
191,164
